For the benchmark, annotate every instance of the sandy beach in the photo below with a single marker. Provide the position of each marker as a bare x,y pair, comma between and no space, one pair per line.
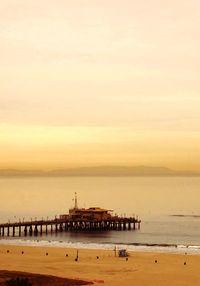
102,267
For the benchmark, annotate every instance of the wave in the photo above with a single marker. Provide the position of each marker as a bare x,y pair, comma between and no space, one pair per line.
137,247
184,215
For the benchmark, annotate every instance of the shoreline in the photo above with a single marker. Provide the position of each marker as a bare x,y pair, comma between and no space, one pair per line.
132,247
101,266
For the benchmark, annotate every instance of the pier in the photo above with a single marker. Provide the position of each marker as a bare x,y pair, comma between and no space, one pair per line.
39,227
77,219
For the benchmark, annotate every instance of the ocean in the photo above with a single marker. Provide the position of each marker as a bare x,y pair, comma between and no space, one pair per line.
167,206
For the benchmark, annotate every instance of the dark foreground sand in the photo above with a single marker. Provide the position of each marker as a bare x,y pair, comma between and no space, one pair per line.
40,280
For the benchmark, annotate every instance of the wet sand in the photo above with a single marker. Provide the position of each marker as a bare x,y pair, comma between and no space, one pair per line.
102,267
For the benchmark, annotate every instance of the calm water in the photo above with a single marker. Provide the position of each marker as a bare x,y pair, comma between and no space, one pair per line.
153,199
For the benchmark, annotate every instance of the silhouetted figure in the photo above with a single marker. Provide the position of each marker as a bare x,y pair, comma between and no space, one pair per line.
185,263
97,257
76,259
156,261
66,255
47,253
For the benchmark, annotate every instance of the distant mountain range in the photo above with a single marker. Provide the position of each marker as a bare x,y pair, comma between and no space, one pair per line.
109,171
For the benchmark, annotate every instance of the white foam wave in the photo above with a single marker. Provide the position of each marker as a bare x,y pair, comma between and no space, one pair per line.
190,249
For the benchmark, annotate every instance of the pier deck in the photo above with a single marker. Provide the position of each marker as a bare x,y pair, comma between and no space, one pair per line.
58,225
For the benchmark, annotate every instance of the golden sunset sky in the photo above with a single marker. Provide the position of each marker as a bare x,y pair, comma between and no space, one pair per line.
99,82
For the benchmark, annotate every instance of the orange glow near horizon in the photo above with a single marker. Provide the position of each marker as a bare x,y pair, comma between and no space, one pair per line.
34,147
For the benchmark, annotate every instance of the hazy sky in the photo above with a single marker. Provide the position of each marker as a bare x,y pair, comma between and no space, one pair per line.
97,82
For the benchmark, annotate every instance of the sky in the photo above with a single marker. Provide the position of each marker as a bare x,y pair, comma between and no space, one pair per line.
95,82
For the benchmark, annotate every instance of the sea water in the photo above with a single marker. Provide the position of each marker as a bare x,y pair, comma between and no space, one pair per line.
167,206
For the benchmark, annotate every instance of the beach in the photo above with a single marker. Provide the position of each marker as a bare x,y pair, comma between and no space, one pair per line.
102,267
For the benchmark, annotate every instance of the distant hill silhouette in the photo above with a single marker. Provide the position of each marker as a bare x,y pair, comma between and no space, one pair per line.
109,171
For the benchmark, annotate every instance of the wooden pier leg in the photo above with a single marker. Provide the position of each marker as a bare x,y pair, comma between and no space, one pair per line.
8,231
20,230
56,227
124,226
13,230
35,230
31,230
108,225
41,229
134,225
46,229
51,228
66,226
129,226
25,231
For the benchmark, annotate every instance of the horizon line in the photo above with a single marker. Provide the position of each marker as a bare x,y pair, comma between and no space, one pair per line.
101,170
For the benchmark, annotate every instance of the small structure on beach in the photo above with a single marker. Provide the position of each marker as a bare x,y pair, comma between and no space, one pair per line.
122,253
